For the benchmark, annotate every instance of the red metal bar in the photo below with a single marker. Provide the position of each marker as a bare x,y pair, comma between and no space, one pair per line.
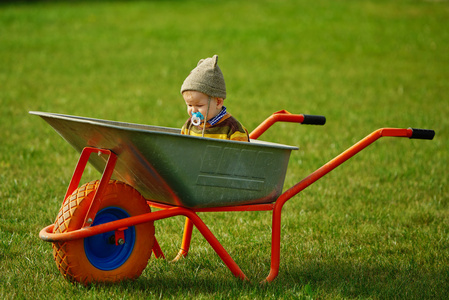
331,165
120,236
157,250
250,207
96,200
79,169
280,116
186,239
159,205
78,173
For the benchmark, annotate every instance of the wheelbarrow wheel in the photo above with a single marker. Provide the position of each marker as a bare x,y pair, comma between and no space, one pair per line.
98,258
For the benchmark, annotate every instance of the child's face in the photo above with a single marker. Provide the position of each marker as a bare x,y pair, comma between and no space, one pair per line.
197,102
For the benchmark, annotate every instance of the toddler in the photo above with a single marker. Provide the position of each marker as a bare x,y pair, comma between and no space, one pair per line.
204,91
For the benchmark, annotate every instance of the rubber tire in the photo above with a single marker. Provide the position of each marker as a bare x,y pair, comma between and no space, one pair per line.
71,258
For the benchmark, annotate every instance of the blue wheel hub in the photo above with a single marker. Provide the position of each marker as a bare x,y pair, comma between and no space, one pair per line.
101,249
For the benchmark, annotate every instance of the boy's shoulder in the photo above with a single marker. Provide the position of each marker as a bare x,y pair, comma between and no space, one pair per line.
234,129
229,120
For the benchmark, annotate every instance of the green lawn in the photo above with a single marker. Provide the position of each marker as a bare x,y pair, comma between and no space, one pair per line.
377,227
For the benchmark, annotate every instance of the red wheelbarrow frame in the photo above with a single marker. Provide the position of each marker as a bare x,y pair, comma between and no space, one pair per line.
192,218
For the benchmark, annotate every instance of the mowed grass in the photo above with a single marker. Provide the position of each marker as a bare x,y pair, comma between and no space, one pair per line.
376,227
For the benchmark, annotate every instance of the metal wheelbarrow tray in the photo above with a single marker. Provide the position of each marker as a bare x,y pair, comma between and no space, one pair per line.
180,170
104,231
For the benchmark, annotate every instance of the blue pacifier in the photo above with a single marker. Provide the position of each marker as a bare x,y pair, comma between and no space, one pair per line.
197,117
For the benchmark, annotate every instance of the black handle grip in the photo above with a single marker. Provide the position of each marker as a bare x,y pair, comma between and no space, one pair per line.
314,120
423,134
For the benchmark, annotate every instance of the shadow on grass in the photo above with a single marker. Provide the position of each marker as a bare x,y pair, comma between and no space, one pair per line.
339,279
216,287
363,279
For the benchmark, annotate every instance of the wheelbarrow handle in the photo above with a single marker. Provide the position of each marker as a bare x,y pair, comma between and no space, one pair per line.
423,134
314,120
285,116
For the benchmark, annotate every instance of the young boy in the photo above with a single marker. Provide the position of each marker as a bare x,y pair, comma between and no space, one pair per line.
204,91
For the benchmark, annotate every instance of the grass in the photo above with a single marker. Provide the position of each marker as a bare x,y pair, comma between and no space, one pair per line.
376,227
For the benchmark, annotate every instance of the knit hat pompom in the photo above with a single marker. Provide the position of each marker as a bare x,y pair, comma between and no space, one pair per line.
206,78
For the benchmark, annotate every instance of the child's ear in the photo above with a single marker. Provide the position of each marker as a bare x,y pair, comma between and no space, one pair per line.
220,102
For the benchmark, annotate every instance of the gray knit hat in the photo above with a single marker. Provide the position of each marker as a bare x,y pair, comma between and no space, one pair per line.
206,78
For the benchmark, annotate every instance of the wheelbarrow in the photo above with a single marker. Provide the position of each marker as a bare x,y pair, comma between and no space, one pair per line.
104,231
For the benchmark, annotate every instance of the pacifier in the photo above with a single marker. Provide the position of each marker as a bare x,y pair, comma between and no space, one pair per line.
197,117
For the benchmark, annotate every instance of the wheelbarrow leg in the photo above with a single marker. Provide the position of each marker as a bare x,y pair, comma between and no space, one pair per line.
212,240
157,251
186,238
275,242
